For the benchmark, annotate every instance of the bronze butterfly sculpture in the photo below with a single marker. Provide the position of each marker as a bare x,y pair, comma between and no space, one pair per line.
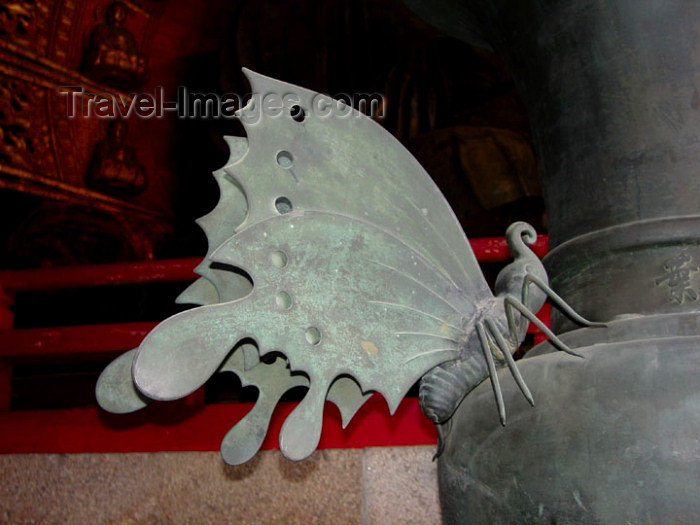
333,251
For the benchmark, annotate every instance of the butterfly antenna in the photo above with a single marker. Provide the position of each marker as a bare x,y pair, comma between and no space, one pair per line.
498,394
520,307
560,303
505,350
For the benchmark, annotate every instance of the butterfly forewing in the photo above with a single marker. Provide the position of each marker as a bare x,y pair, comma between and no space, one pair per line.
340,161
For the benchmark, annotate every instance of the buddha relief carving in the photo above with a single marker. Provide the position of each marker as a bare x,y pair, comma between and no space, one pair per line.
112,55
114,169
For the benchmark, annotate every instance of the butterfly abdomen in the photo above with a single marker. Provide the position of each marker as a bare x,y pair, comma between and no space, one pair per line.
442,389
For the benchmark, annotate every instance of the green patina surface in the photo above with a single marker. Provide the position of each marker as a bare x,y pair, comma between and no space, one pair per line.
361,275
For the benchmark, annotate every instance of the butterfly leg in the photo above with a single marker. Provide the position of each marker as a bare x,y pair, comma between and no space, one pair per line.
512,303
557,300
498,394
510,362
513,326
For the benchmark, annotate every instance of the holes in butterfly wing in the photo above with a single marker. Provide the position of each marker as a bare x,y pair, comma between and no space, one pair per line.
285,159
297,113
283,205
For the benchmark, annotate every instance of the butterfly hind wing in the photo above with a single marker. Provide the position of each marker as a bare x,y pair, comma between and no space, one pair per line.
355,302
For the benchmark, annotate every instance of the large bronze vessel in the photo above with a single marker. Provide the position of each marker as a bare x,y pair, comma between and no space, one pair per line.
612,91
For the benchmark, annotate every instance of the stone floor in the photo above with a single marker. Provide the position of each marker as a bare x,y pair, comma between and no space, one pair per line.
371,486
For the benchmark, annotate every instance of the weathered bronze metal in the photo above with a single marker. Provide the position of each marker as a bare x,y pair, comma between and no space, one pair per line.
116,392
612,94
362,279
521,289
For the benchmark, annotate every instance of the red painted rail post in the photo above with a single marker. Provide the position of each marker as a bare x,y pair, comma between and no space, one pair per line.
6,323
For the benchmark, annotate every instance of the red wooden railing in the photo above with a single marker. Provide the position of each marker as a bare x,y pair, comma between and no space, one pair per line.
188,424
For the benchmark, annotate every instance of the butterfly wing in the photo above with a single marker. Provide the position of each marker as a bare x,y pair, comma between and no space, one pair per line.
338,160
115,391
336,295
218,225
360,268
220,285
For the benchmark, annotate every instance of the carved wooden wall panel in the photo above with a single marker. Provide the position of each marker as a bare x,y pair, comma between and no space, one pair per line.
27,23
42,151
433,87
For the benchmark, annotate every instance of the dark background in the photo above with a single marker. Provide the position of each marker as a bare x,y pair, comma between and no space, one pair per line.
453,106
